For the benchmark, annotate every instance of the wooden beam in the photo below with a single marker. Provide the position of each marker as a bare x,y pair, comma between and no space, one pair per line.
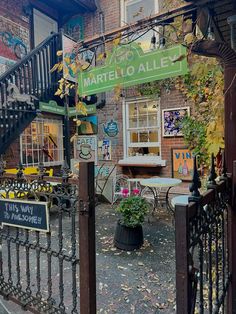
156,19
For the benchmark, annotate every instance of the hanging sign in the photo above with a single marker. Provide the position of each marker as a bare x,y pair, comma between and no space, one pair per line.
85,148
53,107
128,65
111,128
25,214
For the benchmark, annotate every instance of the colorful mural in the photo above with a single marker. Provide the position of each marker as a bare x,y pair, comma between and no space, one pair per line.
14,42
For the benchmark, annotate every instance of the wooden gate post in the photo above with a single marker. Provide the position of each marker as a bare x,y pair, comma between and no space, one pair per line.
183,286
87,246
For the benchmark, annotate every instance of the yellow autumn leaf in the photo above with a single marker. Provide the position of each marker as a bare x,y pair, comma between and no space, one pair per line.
55,67
59,53
58,92
85,66
60,67
101,56
189,38
117,40
81,107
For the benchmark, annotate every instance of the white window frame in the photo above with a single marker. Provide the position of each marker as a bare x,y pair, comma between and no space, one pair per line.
124,3
123,14
60,144
126,137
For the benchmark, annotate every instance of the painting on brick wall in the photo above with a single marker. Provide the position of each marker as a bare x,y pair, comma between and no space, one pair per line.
182,164
171,121
14,43
104,150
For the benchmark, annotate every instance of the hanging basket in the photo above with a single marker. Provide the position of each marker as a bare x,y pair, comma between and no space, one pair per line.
128,238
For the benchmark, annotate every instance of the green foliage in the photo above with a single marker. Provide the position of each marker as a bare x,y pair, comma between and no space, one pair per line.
153,89
203,86
195,137
133,210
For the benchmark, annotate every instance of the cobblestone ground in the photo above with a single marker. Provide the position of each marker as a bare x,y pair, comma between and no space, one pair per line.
141,281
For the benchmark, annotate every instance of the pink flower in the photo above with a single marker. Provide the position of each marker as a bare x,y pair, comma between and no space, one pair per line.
125,192
136,191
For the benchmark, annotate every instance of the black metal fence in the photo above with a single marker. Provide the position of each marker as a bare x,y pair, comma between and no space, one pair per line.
202,249
41,271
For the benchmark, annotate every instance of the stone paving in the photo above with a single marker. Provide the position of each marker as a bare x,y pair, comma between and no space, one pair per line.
141,281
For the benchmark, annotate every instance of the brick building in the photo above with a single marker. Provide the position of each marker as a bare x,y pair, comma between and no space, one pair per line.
139,145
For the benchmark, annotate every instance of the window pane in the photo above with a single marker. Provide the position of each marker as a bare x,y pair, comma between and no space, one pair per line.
42,137
133,122
136,10
153,136
143,151
134,137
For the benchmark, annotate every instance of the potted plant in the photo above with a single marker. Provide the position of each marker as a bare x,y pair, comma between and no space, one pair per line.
129,232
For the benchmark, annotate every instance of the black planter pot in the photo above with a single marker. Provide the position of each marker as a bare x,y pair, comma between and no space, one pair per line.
127,238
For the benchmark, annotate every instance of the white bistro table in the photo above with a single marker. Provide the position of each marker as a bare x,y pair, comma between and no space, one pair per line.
155,185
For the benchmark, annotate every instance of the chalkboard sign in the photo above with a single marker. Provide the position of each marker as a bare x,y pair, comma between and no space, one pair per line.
24,214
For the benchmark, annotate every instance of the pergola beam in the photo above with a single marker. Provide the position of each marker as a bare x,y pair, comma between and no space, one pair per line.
158,19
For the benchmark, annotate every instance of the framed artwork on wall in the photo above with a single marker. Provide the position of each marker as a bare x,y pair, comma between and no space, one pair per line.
89,125
171,121
182,163
104,150
85,148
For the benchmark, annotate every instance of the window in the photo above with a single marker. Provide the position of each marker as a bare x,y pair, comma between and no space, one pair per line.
134,10
142,131
43,139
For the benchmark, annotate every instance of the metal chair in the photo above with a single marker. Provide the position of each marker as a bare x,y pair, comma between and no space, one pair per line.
120,183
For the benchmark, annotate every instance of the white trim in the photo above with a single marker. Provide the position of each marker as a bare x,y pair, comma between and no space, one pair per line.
126,133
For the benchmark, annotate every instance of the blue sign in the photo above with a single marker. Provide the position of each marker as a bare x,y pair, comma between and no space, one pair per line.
111,128
25,214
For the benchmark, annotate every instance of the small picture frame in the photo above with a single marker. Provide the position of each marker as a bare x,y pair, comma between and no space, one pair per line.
171,121
182,163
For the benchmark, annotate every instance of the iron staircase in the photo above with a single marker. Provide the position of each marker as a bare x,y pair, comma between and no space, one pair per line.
23,86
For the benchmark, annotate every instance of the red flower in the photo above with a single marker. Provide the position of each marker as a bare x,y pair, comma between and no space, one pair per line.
136,191
125,192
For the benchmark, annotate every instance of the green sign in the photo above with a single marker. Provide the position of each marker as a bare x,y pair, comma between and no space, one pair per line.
91,109
128,66
53,107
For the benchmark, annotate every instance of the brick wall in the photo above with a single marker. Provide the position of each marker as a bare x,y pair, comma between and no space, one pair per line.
113,109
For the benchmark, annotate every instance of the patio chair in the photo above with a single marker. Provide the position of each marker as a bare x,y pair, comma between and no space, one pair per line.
102,179
120,183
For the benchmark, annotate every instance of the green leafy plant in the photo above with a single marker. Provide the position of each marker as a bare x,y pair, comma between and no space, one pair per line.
133,210
195,137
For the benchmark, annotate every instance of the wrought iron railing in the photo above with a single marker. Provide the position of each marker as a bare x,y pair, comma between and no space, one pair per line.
43,272
23,85
202,248
31,75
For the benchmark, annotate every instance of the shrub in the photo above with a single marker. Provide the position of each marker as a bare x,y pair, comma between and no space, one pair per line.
133,210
